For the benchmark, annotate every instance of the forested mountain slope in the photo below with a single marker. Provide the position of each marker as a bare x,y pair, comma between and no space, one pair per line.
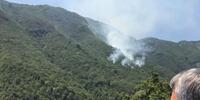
43,56
51,53
174,56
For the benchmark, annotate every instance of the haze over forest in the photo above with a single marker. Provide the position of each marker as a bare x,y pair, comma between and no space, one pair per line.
52,53
172,20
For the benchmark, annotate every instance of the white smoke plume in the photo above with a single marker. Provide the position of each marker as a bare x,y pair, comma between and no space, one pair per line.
166,19
127,49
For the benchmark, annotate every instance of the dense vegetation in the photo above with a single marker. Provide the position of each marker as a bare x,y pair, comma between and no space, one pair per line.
50,53
152,89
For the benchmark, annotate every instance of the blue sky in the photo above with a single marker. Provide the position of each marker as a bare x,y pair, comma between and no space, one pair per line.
173,20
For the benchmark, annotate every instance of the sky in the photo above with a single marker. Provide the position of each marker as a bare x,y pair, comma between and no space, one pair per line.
173,20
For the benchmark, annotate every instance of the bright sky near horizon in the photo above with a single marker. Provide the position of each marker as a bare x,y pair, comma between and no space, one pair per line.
173,20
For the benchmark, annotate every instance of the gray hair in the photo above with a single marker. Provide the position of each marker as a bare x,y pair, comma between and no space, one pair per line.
186,84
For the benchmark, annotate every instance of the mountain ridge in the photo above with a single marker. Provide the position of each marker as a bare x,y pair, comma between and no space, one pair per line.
51,53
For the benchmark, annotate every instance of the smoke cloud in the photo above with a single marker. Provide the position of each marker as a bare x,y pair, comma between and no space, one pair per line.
135,19
127,49
166,19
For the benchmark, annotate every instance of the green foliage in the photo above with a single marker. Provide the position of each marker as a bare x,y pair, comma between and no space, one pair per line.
49,53
172,56
40,59
152,89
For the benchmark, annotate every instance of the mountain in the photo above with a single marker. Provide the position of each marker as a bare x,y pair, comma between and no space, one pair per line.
51,53
169,56
174,56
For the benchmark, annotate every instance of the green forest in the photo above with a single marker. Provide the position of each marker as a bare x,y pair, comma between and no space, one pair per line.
49,53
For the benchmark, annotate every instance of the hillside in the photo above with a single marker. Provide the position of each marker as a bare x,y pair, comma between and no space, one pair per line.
47,57
51,53
167,56
173,56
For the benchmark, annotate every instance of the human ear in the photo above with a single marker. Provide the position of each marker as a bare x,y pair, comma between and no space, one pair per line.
173,96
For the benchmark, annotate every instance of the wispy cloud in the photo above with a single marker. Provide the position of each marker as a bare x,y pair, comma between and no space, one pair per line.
167,19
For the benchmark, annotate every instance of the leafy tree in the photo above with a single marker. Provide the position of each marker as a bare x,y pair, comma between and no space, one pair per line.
152,89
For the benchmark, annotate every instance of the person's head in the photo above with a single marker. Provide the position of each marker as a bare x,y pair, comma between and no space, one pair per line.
186,85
